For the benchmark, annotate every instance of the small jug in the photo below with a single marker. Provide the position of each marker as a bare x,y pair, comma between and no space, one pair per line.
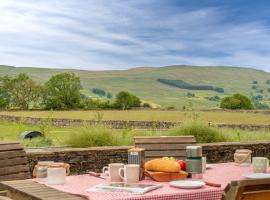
40,170
242,157
57,173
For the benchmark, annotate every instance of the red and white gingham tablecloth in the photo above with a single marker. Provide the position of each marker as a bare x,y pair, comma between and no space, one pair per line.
222,173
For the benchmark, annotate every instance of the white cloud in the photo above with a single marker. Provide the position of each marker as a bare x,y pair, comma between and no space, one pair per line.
101,34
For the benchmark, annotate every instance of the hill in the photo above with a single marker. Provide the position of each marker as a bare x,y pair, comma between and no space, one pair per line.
144,82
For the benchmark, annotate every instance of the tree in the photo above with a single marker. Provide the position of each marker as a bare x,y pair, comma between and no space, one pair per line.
62,91
20,91
125,100
237,101
109,95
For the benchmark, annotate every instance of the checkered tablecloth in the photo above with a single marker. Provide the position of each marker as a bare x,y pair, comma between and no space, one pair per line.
222,173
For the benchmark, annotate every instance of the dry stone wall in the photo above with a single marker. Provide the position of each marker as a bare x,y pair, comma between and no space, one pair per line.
94,159
120,124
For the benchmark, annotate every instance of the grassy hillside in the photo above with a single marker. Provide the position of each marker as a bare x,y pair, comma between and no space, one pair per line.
143,82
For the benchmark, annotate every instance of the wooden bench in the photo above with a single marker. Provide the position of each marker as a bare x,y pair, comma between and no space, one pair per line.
13,162
14,168
164,146
258,189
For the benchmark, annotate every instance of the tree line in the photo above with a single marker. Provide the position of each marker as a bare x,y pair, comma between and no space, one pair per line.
182,84
61,91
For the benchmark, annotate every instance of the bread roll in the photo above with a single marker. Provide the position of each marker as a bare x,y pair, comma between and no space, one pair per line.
161,165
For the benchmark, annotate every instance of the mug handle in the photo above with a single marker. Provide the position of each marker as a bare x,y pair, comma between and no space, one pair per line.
105,169
67,166
120,173
35,171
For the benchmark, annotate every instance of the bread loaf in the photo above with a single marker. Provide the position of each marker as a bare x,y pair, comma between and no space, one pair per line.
161,165
166,176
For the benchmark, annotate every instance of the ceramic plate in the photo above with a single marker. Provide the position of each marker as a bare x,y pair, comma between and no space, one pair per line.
187,184
252,175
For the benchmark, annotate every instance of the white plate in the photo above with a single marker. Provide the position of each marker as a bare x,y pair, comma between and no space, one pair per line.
187,184
251,175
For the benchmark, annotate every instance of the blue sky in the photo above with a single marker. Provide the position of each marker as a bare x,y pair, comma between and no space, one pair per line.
121,34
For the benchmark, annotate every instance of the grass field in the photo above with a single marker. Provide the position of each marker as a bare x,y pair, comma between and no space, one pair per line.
143,82
245,117
98,136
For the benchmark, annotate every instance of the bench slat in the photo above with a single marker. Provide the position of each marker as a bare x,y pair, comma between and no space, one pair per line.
10,147
13,162
12,154
14,169
151,147
22,175
165,140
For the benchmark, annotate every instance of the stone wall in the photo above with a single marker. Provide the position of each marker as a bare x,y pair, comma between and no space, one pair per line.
121,124
115,124
83,159
80,159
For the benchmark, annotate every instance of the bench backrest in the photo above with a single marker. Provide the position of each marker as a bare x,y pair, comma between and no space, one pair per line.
164,146
248,190
13,162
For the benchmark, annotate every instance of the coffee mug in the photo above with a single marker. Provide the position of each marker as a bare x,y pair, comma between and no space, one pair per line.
260,164
131,173
113,170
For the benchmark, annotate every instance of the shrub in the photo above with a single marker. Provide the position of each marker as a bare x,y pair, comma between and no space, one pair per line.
170,108
109,95
268,89
125,100
260,105
260,91
146,105
254,87
93,136
99,92
254,82
258,97
90,137
237,101
37,142
268,82
189,95
213,98
202,133
92,104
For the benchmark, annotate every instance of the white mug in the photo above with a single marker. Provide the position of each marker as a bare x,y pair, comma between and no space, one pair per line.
260,164
131,173
113,170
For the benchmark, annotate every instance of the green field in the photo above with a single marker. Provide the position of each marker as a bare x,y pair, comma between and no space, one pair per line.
143,82
241,117
99,136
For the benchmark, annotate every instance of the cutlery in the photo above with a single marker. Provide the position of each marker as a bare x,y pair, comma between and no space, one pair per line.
97,175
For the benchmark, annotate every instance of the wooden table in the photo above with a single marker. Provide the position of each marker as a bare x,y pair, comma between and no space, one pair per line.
30,190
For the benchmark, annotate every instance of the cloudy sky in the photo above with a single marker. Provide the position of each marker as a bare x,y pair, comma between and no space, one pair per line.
120,34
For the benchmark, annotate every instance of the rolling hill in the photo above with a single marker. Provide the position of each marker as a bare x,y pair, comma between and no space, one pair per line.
143,82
